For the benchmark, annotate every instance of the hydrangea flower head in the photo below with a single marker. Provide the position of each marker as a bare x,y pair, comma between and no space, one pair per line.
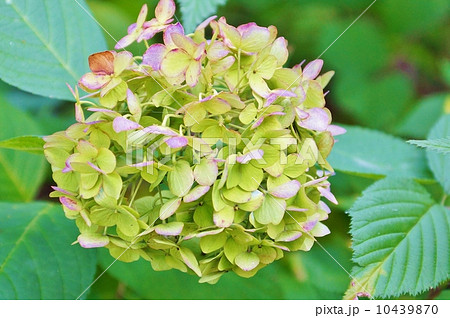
203,155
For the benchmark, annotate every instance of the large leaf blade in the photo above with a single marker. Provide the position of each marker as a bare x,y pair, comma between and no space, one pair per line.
372,153
298,277
195,11
400,240
441,145
440,162
418,122
31,144
36,259
21,174
45,43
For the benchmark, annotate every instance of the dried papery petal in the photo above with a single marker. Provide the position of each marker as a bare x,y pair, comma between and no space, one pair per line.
102,63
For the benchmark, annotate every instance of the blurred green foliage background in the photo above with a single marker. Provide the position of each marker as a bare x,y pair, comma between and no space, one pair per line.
392,74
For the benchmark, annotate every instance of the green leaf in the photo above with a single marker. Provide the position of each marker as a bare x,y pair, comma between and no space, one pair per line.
418,122
37,260
431,13
400,239
21,174
439,162
372,153
45,44
276,281
31,144
441,145
195,11
322,272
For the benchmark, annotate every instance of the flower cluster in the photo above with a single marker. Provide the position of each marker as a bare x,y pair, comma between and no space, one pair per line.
203,155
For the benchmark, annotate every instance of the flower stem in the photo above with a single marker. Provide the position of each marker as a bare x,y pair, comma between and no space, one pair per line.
235,126
238,71
136,189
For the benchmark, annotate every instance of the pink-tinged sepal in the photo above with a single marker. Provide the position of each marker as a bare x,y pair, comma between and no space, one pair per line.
142,164
336,130
92,82
154,56
309,225
67,166
176,28
125,41
170,229
92,240
95,167
176,142
164,11
131,28
288,236
196,193
160,130
205,23
286,190
274,94
312,69
141,17
254,154
122,124
70,203
319,230
63,191
324,207
217,51
325,192
280,51
314,119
